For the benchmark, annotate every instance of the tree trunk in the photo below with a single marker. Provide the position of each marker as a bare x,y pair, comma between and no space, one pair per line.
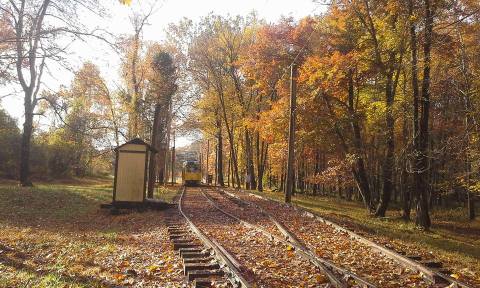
173,160
261,164
230,136
269,174
403,185
249,161
208,156
423,216
220,155
228,171
389,157
26,142
469,120
471,206
216,165
316,171
258,160
30,90
359,171
234,160
153,157
282,178
290,175
415,90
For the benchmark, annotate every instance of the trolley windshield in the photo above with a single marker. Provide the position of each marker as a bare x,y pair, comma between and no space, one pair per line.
192,167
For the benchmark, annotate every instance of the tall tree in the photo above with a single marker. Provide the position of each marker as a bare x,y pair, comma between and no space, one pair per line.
422,163
162,78
134,72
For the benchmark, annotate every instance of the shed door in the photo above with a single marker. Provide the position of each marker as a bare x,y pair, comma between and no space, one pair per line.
130,176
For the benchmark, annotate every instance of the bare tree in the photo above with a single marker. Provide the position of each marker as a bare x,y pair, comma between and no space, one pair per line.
40,27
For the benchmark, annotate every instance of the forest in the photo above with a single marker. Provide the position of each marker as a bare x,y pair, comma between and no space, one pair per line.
365,112
386,102
386,108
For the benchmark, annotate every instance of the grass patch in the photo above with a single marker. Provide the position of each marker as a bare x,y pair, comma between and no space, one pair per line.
49,203
167,193
56,235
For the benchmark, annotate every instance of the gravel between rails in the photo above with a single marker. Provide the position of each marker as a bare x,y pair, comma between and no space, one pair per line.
339,248
265,263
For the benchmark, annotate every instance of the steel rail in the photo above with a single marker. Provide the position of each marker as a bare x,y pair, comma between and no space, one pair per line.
289,236
306,249
231,266
325,266
430,275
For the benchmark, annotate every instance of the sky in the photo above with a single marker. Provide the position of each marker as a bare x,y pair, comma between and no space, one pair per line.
166,12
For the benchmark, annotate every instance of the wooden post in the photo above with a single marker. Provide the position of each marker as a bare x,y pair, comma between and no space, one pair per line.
173,159
291,134
228,173
201,160
208,152
269,175
216,165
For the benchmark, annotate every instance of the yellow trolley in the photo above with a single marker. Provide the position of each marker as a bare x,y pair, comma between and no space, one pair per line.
191,173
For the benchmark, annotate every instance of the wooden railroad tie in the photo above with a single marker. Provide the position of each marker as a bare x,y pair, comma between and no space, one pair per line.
198,264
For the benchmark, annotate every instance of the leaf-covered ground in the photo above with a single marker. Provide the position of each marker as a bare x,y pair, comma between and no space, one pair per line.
453,239
57,236
329,244
265,262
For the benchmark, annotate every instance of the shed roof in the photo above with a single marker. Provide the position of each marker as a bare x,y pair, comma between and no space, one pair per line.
137,141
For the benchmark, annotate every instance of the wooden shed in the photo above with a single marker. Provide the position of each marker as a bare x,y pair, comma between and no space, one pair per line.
131,175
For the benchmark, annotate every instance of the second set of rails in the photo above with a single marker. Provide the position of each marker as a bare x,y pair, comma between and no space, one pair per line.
262,249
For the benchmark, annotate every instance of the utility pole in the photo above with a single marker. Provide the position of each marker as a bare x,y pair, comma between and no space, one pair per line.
216,165
201,160
208,152
291,134
173,158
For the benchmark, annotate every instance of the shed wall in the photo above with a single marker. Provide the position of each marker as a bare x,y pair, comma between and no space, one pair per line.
133,147
130,176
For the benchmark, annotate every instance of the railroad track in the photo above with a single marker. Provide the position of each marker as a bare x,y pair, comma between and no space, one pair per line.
338,277
434,275
260,259
205,262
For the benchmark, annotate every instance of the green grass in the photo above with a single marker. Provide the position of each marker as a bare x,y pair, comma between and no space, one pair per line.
34,221
58,203
167,193
452,238
56,235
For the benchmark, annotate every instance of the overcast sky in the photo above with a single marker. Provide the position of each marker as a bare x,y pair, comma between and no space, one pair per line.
167,11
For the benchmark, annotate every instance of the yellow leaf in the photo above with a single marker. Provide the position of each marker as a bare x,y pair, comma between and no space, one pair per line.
153,268
454,275
126,2
321,279
415,277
